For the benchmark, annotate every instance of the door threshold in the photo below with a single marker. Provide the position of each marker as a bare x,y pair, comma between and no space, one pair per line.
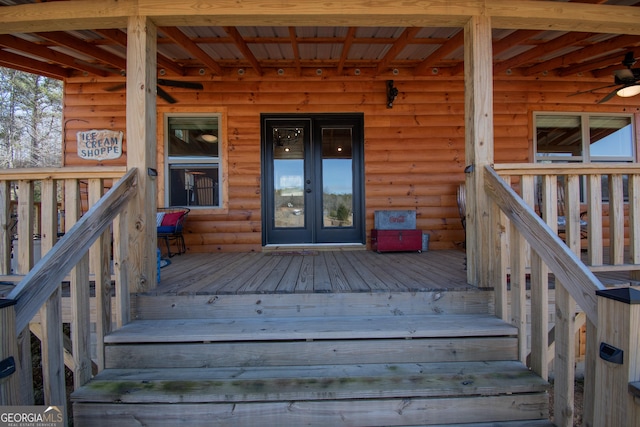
315,247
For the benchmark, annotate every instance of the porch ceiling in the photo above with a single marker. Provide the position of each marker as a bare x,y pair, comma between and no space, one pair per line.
300,51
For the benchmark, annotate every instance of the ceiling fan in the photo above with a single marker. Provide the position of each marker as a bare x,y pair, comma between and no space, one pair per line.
626,81
161,92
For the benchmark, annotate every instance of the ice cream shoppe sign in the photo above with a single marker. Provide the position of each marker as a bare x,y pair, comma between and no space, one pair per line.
99,144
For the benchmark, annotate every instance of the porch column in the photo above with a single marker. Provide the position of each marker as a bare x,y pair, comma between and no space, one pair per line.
478,77
141,152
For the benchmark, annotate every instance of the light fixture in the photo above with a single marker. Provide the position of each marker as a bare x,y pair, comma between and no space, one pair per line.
629,91
207,137
339,149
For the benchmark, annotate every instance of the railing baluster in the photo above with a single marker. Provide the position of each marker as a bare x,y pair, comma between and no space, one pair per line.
519,289
100,266
634,223
5,223
25,226
52,344
594,219
79,290
616,220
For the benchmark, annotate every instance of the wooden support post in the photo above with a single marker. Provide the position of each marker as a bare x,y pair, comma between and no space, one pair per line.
9,385
618,364
141,151
478,76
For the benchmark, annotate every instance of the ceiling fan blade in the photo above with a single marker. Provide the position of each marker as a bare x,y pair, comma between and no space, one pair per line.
164,95
608,97
591,90
116,87
176,83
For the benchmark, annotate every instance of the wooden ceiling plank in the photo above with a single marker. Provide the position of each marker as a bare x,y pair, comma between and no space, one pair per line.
587,52
401,42
43,52
296,50
186,43
120,37
454,43
543,49
74,43
244,48
346,46
19,62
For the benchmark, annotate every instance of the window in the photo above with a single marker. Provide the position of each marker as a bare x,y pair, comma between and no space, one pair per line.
585,138
193,163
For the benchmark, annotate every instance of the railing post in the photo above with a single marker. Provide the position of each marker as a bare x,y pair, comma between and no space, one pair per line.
618,363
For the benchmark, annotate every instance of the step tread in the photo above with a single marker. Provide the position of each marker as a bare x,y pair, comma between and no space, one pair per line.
314,328
323,382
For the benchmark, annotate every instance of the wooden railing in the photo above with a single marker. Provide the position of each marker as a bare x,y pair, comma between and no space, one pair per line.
528,246
83,249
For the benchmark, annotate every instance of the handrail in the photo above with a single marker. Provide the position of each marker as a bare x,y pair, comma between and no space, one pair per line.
114,172
579,281
43,280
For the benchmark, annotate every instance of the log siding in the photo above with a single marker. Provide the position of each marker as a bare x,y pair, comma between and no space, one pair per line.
414,152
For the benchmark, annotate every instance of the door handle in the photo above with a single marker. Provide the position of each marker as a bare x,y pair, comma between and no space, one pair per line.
308,190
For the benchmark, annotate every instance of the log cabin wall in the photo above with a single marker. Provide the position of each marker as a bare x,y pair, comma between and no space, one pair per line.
414,152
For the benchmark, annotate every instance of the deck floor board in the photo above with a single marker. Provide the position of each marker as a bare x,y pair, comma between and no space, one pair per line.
320,271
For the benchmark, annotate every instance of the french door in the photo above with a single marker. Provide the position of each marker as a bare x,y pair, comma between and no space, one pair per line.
313,179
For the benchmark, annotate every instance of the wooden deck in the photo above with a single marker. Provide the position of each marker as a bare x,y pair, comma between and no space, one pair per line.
322,271
313,271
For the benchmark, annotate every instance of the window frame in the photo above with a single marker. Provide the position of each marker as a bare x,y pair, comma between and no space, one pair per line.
585,129
197,161
586,157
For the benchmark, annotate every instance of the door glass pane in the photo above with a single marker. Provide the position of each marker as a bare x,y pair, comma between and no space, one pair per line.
337,177
288,177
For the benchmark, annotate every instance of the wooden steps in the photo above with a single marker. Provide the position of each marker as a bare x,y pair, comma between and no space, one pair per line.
390,362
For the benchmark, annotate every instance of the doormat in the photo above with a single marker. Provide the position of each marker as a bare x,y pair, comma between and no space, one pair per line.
287,253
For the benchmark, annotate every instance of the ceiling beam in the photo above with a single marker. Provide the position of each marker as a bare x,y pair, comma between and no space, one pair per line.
51,55
185,42
74,43
540,50
401,42
19,62
296,49
455,42
120,38
244,48
615,60
346,46
583,54
507,14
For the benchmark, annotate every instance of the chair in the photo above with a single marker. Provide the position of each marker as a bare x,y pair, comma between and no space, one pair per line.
169,223
462,209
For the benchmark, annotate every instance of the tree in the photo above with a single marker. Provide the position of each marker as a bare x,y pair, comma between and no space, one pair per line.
30,120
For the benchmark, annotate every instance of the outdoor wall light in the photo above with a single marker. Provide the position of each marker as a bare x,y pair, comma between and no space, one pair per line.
392,92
